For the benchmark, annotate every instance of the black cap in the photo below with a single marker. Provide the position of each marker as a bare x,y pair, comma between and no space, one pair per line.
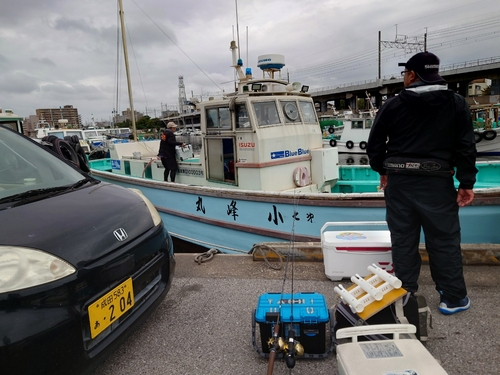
426,65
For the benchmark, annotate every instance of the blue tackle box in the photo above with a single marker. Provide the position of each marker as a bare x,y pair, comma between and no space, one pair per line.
307,314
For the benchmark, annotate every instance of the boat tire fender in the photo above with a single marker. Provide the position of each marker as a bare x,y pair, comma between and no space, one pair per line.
333,142
65,150
331,130
362,145
478,137
349,144
301,176
82,158
350,161
363,161
489,135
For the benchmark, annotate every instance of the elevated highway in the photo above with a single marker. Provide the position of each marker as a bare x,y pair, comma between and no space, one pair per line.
458,77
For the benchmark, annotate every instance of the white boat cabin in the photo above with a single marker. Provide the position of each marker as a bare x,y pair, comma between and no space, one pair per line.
264,137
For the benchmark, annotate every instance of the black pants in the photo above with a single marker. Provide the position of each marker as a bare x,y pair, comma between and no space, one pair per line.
168,170
428,203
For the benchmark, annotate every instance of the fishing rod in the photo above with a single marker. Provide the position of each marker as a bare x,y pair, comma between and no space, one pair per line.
291,347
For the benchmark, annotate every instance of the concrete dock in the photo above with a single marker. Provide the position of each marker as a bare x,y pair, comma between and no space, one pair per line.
204,326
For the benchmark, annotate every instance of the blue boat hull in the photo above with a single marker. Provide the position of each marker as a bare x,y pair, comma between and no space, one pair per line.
234,220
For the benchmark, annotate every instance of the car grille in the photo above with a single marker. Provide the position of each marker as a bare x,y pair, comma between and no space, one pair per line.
146,278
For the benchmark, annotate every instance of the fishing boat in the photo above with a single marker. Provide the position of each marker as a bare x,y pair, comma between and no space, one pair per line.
263,175
10,119
486,129
352,141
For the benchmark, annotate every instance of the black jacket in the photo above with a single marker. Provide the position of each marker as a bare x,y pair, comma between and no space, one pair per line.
167,149
425,122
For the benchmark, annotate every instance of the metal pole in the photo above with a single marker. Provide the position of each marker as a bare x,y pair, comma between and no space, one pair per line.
124,40
379,54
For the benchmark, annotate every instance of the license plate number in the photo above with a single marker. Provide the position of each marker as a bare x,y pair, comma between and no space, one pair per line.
107,309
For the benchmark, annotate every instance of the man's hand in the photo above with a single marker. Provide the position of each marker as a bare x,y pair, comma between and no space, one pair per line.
464,197
383,181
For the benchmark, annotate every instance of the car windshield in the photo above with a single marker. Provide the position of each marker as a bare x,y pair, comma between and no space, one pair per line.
27,166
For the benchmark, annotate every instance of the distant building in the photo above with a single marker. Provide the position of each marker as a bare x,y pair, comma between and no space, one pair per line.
477,86
495,87
30,124
53,115
126,115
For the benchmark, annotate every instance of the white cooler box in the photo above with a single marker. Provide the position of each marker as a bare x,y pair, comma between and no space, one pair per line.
184,153
385,357
350,252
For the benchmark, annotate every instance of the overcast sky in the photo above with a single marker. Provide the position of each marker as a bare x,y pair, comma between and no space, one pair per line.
60,52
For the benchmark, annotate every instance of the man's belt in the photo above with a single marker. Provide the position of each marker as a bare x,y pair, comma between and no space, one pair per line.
426,167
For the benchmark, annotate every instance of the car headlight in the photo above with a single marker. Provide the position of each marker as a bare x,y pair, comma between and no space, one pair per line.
152,210
21,267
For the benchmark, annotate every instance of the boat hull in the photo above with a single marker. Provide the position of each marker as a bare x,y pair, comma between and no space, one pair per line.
233,221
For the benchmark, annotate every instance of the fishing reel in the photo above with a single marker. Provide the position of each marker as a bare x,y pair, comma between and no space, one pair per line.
291,347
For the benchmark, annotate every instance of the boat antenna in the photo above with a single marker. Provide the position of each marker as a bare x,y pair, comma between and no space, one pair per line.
237,28
125,52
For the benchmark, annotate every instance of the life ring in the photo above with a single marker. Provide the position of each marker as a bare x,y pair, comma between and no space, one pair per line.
350,161
489,135
301,176
478,137
362,145
331,130
333,142
349,144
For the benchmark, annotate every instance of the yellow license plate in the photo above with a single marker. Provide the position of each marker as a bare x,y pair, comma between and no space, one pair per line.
108,308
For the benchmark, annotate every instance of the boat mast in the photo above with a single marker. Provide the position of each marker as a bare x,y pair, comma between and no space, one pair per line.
124,41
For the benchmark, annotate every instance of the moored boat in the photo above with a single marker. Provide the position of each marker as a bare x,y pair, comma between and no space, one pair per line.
486,129
263,175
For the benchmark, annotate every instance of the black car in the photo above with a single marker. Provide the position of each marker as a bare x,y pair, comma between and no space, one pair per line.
82,262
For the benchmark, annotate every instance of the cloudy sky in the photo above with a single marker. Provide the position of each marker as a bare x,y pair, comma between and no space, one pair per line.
59,52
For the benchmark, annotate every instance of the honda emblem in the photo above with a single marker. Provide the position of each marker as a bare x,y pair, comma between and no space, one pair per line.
120,234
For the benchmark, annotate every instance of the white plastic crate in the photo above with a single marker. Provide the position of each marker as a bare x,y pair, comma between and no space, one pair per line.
184,153
349,252
385,357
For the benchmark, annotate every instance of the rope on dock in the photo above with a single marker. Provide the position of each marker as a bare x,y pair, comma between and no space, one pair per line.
265,250
205,257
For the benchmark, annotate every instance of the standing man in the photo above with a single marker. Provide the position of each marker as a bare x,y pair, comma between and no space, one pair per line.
418,139
167,151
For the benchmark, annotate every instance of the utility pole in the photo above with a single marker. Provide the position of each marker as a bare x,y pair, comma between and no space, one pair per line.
414,44
182,95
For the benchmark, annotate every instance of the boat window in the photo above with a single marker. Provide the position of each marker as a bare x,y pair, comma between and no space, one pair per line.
357,124
368,123
242,120
218,118
308,111
266,113
58,134
90,133
75,132
290,111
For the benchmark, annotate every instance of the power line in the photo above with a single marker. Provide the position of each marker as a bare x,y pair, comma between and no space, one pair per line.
437,40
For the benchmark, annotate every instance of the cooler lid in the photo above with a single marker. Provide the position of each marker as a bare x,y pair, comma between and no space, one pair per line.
355,238
307,307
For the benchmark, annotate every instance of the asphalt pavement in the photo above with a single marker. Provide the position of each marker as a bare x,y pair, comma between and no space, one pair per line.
204,326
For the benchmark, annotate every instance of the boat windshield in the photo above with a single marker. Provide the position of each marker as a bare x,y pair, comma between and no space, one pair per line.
78,133
308,111
26,165
242,120
266,113
219,118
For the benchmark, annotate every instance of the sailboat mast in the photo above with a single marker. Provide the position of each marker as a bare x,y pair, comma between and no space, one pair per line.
124,40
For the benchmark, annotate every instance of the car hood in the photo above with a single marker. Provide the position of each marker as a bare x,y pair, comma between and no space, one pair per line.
77,226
